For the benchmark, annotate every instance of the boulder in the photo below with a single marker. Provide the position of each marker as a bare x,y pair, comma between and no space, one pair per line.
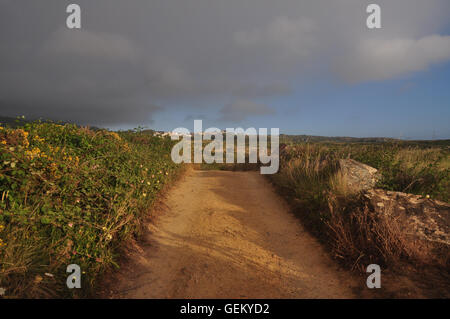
420,217
358,176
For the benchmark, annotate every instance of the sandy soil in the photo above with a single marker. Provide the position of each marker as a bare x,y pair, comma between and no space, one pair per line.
228,235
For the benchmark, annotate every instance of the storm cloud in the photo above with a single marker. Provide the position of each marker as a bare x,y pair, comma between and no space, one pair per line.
133,59
241,109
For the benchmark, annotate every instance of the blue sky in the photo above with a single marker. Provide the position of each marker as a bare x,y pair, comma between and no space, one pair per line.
414,106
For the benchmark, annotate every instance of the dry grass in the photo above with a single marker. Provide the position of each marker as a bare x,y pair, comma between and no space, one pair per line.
359,236
342,217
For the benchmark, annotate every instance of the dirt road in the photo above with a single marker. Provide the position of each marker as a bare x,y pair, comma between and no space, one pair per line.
228,235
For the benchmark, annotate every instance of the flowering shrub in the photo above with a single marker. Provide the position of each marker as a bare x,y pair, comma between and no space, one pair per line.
72,195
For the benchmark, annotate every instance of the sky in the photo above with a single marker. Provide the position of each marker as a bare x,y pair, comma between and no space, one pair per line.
305,67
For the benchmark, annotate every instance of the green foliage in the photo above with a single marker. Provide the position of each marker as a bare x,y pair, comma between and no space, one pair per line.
342,218
72,195
412,168
405,168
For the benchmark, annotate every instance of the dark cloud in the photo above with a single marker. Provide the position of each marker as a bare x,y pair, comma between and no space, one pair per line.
190,118
135,58
242,109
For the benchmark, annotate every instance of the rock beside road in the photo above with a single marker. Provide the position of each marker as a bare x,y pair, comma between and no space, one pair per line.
420,217
357,175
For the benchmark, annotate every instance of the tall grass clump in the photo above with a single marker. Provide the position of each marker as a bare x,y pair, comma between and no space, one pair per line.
304,176
343,218
70,195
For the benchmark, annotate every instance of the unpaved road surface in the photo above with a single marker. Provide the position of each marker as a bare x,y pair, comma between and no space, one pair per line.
228,235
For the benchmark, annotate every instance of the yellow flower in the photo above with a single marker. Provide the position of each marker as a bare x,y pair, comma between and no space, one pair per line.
115,135
39,139
144,194
35,152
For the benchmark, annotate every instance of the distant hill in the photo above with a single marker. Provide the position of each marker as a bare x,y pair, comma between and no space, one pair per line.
341,139
11,121
345,139
284,138
16,122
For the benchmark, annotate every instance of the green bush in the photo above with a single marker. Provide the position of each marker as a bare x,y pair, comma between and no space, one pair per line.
411,169
70,195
